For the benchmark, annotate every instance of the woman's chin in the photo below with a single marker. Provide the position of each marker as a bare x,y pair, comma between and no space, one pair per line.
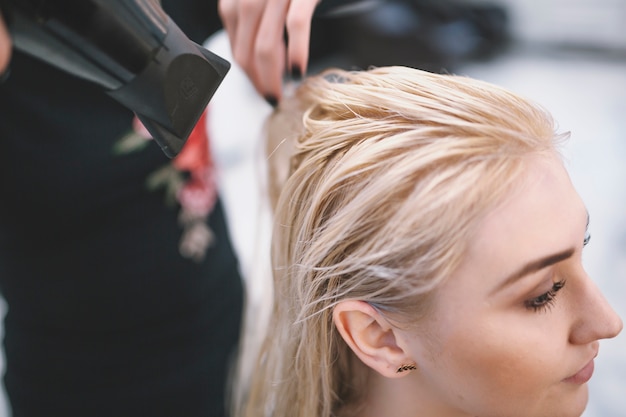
577,403
569,403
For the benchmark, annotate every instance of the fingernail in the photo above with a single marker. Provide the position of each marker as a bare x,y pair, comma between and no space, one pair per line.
271,100
296,73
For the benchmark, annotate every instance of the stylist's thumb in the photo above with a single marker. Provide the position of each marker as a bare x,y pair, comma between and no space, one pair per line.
5,46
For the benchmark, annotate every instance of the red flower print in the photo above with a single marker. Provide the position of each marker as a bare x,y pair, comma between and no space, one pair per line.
195,154
189,177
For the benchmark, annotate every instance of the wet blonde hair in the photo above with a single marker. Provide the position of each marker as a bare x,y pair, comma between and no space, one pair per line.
379,178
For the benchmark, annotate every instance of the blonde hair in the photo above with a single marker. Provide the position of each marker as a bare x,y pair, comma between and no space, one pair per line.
380,177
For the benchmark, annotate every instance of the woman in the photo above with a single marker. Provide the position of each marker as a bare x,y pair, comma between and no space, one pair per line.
427,255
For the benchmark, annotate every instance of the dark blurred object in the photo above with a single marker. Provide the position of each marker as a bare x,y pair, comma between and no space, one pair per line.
427,34
130,48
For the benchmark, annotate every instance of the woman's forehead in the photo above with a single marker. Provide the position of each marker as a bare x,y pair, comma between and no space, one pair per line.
543,215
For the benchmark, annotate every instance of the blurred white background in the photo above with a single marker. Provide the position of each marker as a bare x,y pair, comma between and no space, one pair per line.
592,23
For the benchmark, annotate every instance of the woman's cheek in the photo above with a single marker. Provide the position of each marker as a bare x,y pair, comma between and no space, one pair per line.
501,361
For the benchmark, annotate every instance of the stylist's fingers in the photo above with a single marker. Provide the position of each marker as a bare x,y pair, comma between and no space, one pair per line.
242,25
299,19
228,14
5,46
256,30
269,51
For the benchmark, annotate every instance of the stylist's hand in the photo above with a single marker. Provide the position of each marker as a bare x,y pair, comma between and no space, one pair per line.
5,46
256,31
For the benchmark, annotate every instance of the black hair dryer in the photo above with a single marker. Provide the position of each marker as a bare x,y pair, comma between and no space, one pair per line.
129,47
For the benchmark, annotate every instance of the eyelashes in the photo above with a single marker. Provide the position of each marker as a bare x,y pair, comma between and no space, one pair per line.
545,300
587,237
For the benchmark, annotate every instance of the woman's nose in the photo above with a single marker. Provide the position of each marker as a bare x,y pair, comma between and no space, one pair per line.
595,318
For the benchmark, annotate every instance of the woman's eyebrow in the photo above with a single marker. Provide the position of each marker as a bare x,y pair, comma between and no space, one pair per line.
536,265
539,264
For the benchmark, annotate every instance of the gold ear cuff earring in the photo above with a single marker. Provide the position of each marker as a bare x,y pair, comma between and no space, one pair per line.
405,368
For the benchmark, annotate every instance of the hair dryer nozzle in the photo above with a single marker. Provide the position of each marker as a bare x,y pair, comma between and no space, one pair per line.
171,94
132,49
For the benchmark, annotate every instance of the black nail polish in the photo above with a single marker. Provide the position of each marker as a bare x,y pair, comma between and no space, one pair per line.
271,100
296,73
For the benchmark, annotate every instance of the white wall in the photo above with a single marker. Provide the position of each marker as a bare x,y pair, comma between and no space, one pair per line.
589,23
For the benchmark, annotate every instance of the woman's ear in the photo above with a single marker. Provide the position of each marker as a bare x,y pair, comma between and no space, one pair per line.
371,337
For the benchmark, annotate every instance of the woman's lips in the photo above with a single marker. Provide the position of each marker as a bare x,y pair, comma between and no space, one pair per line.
581,376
